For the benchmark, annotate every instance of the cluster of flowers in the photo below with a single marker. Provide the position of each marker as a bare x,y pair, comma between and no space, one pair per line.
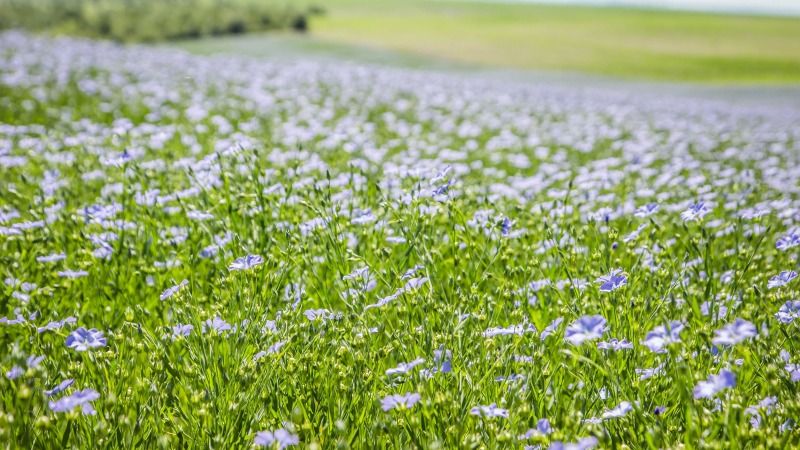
394,239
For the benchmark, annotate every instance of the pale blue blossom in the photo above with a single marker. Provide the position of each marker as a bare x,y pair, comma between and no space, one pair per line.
15,373
280,437
400,401
613,281
216,324
782,279
615,345
543,428
404,368
646,210
82,339
715,384
181,330
734,333
489,411
170,291
586,443
246,262
57,324
789,311
551,328
790,240
695,211
585,329
80,399
517,330
662,336
60,388
619,411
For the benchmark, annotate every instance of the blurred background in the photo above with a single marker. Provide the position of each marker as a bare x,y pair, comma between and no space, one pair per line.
699,41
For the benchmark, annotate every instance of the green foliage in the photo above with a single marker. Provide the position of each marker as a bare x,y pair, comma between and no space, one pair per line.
324,171
151,20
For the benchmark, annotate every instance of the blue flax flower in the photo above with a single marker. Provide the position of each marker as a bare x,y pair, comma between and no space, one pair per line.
789,311
552,328
735,332
714,384
489,411
613,281
170,291
216,324
615,344
80,399
543,428
695,211
794,371
82,339
15,373
618,411
646,210
663,335
400,401
586,443
280,436
181,330
585,329
60,388
246,262
790,240
404,368
782,279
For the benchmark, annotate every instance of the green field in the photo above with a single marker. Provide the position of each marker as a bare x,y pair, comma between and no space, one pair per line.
640,44
239,253
286,45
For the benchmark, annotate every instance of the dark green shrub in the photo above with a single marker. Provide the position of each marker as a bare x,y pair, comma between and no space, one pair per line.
153,20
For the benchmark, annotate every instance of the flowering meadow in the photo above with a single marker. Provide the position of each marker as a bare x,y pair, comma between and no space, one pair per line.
222,252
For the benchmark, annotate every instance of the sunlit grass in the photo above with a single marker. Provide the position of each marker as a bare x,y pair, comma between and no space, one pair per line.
225,252
644,44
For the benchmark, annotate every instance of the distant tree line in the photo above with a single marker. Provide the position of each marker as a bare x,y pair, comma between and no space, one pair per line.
154,20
